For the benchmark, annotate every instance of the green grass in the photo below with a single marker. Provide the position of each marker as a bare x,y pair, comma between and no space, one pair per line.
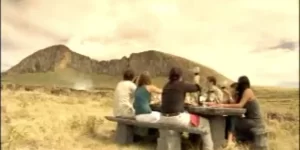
68,78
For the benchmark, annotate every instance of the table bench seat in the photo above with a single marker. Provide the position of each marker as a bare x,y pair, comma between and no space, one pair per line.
169,134
214,115
132,121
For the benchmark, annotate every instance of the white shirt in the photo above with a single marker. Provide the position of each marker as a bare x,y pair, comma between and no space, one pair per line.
123,99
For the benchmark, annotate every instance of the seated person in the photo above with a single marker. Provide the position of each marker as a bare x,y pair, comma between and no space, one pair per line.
245,99
229,95
172,107
123,96
142,98
214,94
193,98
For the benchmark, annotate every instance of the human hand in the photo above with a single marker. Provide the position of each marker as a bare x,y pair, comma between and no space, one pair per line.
219,105
211,104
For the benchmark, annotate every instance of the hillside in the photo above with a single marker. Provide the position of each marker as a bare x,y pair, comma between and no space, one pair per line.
59,58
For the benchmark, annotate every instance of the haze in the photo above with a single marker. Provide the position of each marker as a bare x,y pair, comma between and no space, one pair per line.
257,38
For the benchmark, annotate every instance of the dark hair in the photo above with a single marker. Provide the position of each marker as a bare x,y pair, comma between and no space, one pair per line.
128,74
242,84
175,74
144,79
212,79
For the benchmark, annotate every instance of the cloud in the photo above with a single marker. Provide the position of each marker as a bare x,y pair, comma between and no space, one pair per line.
290,45
219,34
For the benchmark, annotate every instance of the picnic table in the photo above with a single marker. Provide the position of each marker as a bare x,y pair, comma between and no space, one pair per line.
216,117
208,111
169,134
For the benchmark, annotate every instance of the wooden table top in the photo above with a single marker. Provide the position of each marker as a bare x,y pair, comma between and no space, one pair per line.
212,111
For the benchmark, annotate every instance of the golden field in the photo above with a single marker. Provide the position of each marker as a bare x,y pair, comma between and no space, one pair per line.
38,120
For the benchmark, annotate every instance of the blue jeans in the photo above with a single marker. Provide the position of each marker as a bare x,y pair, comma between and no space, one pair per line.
230,125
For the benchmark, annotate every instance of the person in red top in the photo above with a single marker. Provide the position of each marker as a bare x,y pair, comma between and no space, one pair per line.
172,106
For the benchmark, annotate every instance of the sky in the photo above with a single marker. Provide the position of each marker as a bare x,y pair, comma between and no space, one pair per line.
257,38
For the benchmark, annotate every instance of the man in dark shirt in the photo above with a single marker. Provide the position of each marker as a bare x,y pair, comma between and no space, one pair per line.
172,107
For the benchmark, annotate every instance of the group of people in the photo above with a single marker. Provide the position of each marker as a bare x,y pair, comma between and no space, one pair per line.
133,94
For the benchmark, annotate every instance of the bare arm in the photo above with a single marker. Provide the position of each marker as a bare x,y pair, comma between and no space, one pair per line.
219,96
246,96
154,89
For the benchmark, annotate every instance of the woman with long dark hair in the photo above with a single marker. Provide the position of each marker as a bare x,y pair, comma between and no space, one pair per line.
246,99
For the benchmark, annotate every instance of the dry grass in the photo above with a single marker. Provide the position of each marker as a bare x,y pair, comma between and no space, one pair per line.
33,120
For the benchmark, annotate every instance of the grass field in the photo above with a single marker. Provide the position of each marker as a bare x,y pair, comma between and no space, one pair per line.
34,120
68,78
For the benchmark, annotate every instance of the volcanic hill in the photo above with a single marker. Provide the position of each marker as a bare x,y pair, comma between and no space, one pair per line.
59,58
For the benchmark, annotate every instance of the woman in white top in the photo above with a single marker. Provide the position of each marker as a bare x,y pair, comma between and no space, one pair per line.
123,96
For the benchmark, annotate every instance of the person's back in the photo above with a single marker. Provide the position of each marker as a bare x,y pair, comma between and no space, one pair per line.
142,98
173,97
142,101
172,108
253,111
123,96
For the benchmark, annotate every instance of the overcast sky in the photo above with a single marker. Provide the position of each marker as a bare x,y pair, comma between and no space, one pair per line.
257,38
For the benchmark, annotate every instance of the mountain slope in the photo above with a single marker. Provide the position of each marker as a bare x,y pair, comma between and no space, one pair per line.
60,57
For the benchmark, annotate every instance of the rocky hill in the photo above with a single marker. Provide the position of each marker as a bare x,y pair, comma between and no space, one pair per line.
59,57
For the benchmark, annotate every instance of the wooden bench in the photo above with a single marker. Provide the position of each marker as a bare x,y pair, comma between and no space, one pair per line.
169,134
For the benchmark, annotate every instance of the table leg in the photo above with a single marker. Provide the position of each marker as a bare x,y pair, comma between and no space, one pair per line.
169,140
217,127
124,134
